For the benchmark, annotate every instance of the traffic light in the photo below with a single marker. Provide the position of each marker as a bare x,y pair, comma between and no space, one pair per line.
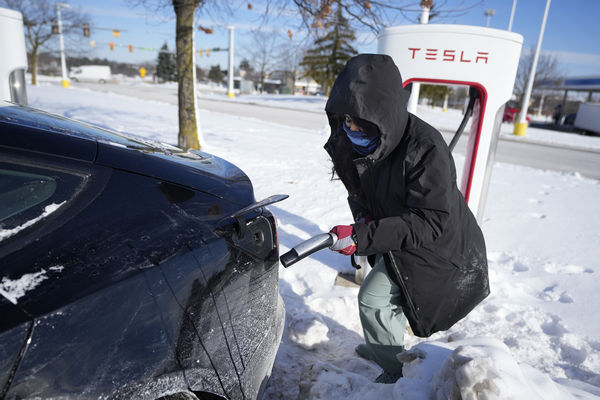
207,52
112,45
131,48
116,33
54,27
200,52
86,30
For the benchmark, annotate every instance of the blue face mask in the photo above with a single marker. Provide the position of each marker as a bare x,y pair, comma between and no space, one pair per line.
362,143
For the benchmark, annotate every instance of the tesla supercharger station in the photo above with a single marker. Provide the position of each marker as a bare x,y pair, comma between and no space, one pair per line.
13,57
481,58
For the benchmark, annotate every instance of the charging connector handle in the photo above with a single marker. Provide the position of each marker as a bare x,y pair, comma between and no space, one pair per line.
308,247
473,95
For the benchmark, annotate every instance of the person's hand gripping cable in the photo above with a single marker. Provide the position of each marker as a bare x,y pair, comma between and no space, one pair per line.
346,243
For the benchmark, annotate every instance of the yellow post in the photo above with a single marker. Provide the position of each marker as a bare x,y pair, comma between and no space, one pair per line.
231,95
520,128
65,83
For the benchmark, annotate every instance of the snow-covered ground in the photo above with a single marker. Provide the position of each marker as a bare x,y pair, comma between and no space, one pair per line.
537,336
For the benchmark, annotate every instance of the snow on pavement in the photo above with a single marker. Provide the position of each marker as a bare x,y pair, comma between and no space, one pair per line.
536,336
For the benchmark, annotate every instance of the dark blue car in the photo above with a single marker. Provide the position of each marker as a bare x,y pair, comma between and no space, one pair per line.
130,270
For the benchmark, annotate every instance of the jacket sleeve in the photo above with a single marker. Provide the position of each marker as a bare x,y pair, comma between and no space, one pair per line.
428,183
359,212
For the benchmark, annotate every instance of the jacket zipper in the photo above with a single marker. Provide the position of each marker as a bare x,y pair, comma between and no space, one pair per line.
403,288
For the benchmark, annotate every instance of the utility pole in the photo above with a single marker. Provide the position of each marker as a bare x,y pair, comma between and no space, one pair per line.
541,107
230,93
63,63
521,126
413,101
512,15
489,14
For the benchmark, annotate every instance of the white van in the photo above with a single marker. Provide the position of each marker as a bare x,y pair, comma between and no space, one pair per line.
13,57
91,73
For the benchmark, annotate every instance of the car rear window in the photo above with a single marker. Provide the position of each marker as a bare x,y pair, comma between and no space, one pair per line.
20,191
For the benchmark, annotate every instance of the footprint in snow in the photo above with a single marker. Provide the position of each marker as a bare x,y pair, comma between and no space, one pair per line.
569,269
520,267
535,201
537,215
552,293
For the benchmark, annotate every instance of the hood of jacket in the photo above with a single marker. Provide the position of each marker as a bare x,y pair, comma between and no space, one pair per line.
370,88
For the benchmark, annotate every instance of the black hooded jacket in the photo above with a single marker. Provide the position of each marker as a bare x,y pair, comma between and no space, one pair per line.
433,247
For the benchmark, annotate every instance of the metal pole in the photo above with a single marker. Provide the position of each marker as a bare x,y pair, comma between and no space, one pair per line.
512,15
521,126
413,101
541,107
489,13
63,63
230,93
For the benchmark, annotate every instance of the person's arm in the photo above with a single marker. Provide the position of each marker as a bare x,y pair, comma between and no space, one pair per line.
428,184
359,213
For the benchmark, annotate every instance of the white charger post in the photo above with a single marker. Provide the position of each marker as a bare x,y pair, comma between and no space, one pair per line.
482,58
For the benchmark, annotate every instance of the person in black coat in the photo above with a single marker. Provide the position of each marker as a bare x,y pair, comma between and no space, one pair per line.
429,257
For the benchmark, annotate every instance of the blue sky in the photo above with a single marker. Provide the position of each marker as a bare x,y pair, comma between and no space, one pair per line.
572,32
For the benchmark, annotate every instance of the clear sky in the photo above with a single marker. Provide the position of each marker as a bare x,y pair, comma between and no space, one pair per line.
572,32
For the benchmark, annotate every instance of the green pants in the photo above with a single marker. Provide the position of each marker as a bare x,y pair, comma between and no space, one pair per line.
381,317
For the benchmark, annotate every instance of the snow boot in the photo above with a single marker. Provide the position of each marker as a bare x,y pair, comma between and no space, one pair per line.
363,351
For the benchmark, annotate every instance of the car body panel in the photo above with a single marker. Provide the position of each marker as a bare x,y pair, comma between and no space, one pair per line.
148,287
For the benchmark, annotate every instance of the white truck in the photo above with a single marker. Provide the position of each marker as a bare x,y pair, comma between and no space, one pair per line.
588,117
13,57
91,73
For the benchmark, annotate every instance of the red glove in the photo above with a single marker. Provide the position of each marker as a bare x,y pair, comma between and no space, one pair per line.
346,244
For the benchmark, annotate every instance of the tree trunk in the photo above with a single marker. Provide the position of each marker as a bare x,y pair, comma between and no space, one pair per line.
188,129
34,64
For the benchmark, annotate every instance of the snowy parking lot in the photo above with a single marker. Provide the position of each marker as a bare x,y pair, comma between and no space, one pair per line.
537,336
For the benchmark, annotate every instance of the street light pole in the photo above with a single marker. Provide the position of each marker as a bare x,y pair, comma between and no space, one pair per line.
489,14
521,126
63,63
512,15
230,93
413,101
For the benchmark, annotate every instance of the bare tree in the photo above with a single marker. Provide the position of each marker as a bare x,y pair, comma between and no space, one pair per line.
263,52
186,82
548,70
290,56
184,43
374,14
38,18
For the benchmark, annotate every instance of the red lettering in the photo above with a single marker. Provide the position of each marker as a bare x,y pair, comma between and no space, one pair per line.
449,55
482,56
431,54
